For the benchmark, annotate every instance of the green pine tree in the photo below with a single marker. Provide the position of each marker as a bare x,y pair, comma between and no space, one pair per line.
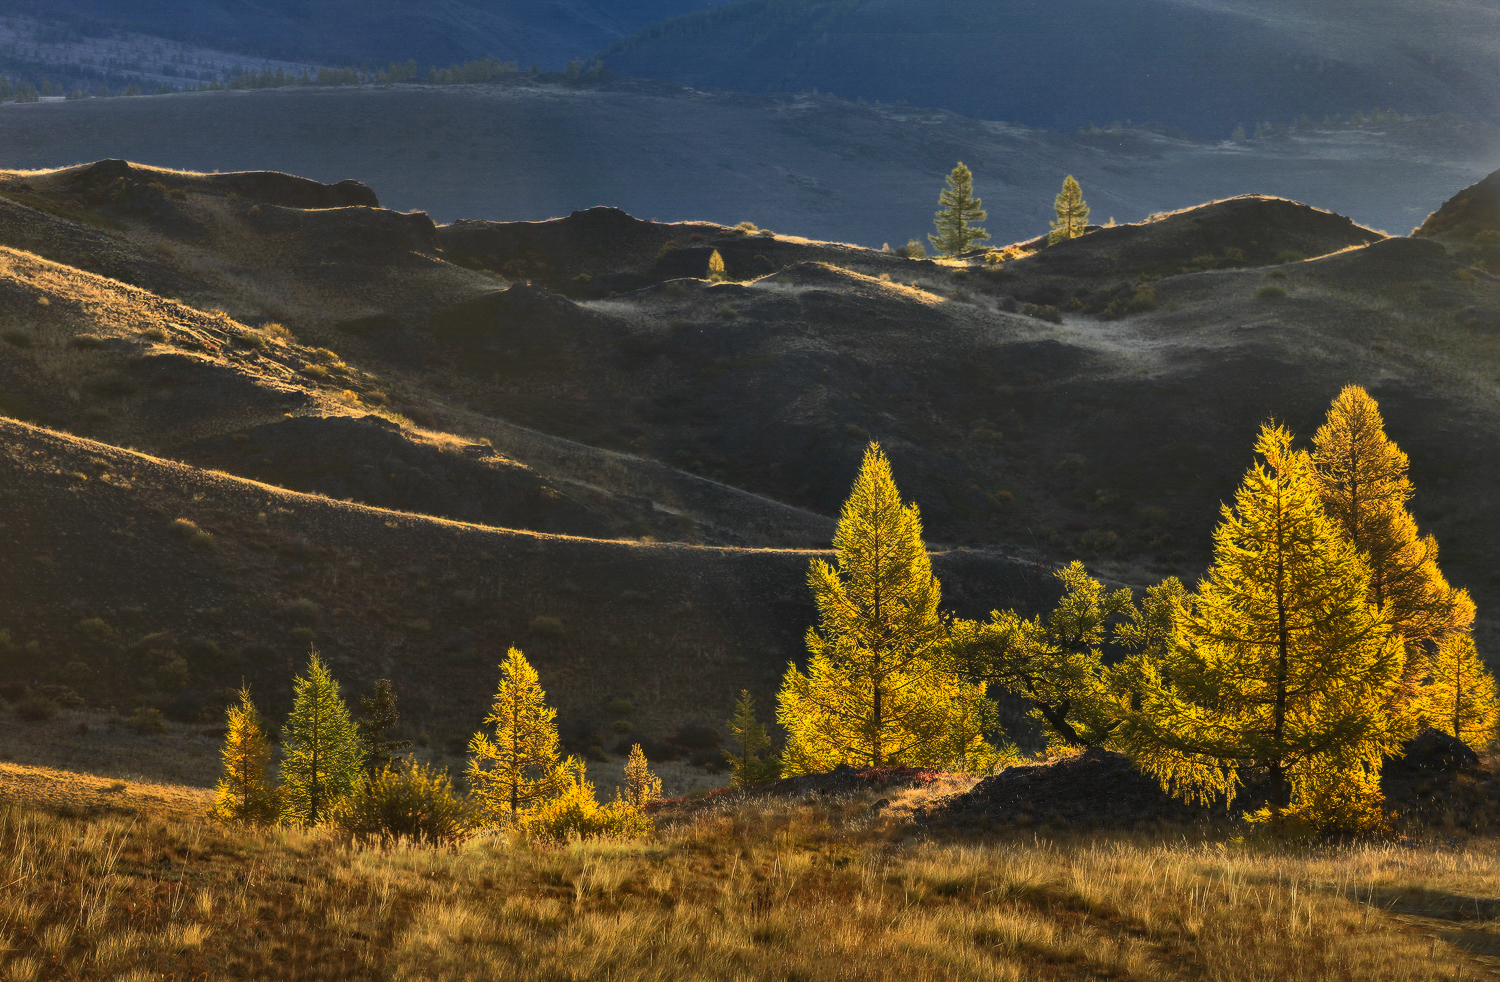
1072,212
1054,663
749,760
878,691
380,716
959,208
322,754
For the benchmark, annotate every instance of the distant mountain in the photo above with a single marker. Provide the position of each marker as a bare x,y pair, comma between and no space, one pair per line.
341,32
1204,66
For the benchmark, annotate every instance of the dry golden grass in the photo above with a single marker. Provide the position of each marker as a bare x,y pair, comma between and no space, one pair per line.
821,889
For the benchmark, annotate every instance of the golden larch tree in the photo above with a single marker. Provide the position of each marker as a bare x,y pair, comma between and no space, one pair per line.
322,754
518,767
641,786
1462,701
878,691
244,793
1363,483
1277,661
716,270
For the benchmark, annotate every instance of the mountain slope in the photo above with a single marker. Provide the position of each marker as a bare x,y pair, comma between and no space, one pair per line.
1201,65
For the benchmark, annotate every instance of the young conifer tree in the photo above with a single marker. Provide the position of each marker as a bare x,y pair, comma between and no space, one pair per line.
1362,478
519,767
749,759
1462,701
641,786
958,208
380,716
716,271
244,793
877,691
322,753
1278,660
1072,212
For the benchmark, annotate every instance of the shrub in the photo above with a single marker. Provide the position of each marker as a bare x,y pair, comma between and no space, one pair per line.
87,341
301,611
75,671
171,672
1271,292
19,339
36,709
407,801
1289,256
620,708
727,312
147,721
1045,312
96,630
1487,236
914,249
203,541
154,334
576,814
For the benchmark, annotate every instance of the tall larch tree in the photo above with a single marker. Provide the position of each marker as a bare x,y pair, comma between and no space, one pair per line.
1362,479
244,793
519,767
1462,701
1276,661
958,207
1072,212
878,691
322,754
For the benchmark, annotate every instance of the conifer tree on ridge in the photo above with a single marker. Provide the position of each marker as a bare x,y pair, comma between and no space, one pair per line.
1072,212
959,208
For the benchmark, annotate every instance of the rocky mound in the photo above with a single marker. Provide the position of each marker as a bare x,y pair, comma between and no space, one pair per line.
1474,209
1096,789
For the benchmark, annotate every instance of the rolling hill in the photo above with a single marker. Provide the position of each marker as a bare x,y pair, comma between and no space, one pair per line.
250,412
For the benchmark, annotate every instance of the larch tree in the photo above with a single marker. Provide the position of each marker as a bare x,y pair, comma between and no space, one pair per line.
1362,479
878,691
380,715
519,767
1072,212
641,786
716,270
958,207
1462,701
244,793
1054,663
751,761
322,754
1276,661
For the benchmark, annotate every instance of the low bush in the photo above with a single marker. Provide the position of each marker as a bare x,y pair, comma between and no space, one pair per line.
546,626
36,709
1271,292
406,802
147,721
1045,312
577,814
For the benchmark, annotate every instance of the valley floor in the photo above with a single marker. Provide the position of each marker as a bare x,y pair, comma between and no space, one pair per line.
821,887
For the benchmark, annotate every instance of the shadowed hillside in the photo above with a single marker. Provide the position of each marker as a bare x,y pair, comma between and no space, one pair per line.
1201,66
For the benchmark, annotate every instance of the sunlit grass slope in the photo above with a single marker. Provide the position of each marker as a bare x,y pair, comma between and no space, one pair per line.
822,889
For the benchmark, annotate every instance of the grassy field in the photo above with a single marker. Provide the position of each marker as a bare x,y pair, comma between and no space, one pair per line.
824,888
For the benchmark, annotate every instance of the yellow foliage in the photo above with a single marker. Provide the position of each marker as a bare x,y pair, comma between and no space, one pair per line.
641,786
244,793
574,813
1362,479
518,768
877,691
1462,701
